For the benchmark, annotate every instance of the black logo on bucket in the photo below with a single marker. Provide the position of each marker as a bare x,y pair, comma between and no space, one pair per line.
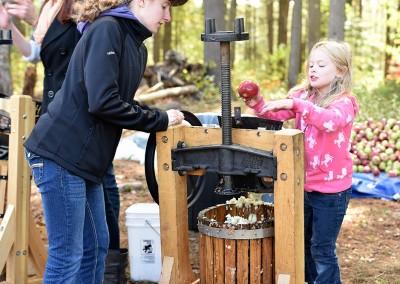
147,254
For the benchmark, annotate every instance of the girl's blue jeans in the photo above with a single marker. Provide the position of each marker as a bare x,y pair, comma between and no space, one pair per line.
75,221
323,217
111,201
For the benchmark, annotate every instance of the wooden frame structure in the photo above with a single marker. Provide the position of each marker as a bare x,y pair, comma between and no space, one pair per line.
20,239
287,145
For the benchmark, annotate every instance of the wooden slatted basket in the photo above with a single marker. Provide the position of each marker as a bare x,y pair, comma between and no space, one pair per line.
236,253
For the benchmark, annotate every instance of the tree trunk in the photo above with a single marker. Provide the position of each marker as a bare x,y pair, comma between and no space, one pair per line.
295,45
391,31
5,72
30,81
156,47
314,23
283,16
232,17
270,25
170,92
247,45
213,9
254,32
336,19
167,39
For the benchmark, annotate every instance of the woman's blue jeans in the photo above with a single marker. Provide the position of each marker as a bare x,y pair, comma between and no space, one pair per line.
323,217
75,222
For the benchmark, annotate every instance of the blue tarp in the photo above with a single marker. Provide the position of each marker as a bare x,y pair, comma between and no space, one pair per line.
369,186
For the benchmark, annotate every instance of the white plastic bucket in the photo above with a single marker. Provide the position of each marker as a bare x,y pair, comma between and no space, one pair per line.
143,224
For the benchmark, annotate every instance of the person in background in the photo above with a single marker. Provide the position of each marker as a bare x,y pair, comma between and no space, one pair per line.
53,41
72,142
324,109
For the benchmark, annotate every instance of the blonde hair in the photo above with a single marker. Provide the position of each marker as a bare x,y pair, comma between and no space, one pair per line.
89,10
340,54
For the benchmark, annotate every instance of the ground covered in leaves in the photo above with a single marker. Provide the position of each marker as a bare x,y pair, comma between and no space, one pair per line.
368,245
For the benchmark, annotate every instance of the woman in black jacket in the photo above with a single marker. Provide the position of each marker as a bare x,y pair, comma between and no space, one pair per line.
74,142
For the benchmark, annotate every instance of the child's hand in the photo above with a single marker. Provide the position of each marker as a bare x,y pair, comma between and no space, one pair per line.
278,105
249,91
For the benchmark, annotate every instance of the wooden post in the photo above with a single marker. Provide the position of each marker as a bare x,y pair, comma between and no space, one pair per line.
289,205
7,234
287,146
167,266
3,185
172,192
18,232
19,186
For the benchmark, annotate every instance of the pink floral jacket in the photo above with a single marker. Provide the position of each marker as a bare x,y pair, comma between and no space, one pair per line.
327,131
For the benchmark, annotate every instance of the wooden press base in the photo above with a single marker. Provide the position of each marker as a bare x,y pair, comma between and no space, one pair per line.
286,145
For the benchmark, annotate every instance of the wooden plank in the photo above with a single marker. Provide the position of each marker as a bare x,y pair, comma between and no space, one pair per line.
3,185
219,260
167,266
243,261
267,260
255,261
22,112
230,262
261,139
37,248
199,172
221,213
7,234
202,258
172,189
289,210
209,253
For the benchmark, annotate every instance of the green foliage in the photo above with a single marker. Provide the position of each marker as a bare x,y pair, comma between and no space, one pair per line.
188,23
209,92
269,71
366,48
18,67
379,102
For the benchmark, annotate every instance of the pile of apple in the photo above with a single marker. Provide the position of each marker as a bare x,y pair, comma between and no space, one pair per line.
376,147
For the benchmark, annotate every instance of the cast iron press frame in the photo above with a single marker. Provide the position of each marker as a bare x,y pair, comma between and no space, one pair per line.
232,162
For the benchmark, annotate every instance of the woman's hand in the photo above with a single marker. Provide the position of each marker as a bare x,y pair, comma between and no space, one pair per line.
22,9
278,105
4,18
174,117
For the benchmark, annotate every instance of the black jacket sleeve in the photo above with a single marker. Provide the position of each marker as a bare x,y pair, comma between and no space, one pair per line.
101,76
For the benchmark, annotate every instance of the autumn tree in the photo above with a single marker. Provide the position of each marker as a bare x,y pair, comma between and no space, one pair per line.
336,19
295,44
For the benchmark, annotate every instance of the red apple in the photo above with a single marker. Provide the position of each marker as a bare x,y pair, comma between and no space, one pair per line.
248,89
375,171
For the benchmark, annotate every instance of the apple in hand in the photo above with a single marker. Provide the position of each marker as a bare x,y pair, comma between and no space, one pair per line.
248,89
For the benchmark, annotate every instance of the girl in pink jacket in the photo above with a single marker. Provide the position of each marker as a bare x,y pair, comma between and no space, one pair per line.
324,109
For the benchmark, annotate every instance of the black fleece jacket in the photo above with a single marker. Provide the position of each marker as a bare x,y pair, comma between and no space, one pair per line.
83,124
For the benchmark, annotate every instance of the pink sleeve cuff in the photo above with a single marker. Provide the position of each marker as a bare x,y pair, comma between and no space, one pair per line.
298,105
259,106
